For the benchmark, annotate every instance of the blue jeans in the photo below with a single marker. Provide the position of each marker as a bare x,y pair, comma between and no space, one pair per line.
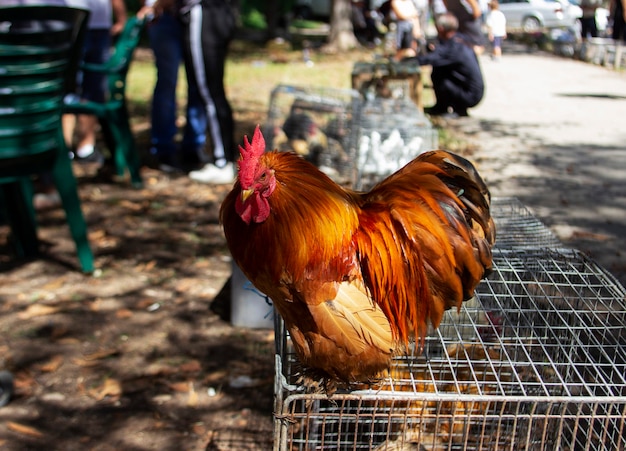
97,50
165,36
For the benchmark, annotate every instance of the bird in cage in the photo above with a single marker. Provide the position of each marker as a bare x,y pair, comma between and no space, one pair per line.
303,136
357,276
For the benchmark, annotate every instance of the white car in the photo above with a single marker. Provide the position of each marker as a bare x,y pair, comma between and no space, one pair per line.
534,16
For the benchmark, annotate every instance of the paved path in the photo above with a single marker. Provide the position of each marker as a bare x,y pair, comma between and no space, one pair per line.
551,131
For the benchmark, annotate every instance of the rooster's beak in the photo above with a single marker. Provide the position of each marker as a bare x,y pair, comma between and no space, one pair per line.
245,193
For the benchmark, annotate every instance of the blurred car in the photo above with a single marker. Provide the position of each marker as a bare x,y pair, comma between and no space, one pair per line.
535,16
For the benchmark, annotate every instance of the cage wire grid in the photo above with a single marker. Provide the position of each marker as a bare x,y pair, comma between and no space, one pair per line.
391,133
535,361
517,227
319,123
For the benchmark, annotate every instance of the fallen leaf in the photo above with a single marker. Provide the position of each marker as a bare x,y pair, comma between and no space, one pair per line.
93,359
192,366
58,331
199,429
179,386
85,363
69,341
144,303
96,235
51,365
94,306
24,383
23,429
581,234
150,265
123,313
186,284
215,376
102,354
192,400
35,310
110,388
55,284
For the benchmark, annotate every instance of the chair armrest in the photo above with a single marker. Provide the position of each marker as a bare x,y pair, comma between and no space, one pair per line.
107,68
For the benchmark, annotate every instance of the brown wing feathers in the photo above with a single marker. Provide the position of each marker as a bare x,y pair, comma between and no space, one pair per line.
436,240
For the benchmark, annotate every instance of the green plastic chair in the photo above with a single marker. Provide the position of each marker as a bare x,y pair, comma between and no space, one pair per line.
113,114
39,53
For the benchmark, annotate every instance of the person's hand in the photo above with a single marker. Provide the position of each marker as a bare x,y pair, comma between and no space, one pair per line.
145,11
161,5
117,27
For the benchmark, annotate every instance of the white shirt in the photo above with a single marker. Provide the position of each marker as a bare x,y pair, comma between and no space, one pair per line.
496,22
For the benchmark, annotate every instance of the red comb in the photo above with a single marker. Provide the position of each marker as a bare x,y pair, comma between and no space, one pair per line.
250,154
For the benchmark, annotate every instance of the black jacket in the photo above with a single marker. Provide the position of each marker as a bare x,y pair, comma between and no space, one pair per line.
454,61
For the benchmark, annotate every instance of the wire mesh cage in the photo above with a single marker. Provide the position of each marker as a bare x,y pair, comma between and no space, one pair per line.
393,131
318,123
518,228
535,361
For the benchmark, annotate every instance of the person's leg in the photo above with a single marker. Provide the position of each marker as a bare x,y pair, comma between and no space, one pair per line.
166,43
194,136
497,47
459,97
205,62
93,87
451,96
593,27
619,25
442,97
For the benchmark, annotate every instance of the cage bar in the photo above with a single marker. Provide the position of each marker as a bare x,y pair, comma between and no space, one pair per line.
517,227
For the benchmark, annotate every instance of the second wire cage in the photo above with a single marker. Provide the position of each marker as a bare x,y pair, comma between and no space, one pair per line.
319,124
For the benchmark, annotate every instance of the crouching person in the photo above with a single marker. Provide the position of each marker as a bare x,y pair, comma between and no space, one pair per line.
456,75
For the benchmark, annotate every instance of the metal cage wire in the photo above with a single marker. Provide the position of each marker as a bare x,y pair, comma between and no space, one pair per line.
392,132
318,123
517,227
535,361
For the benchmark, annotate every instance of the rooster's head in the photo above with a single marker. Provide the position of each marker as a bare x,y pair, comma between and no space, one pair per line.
256,180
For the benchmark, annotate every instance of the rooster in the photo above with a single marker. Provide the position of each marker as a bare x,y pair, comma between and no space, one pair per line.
357,275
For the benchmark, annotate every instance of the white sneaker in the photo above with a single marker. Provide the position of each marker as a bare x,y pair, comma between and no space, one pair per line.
212,174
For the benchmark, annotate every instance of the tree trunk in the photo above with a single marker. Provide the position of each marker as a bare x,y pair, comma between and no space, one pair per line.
341,31
272,16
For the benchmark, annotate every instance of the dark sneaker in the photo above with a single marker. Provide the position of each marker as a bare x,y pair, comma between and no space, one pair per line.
436,110
93,157
462,112
193,158
169,164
